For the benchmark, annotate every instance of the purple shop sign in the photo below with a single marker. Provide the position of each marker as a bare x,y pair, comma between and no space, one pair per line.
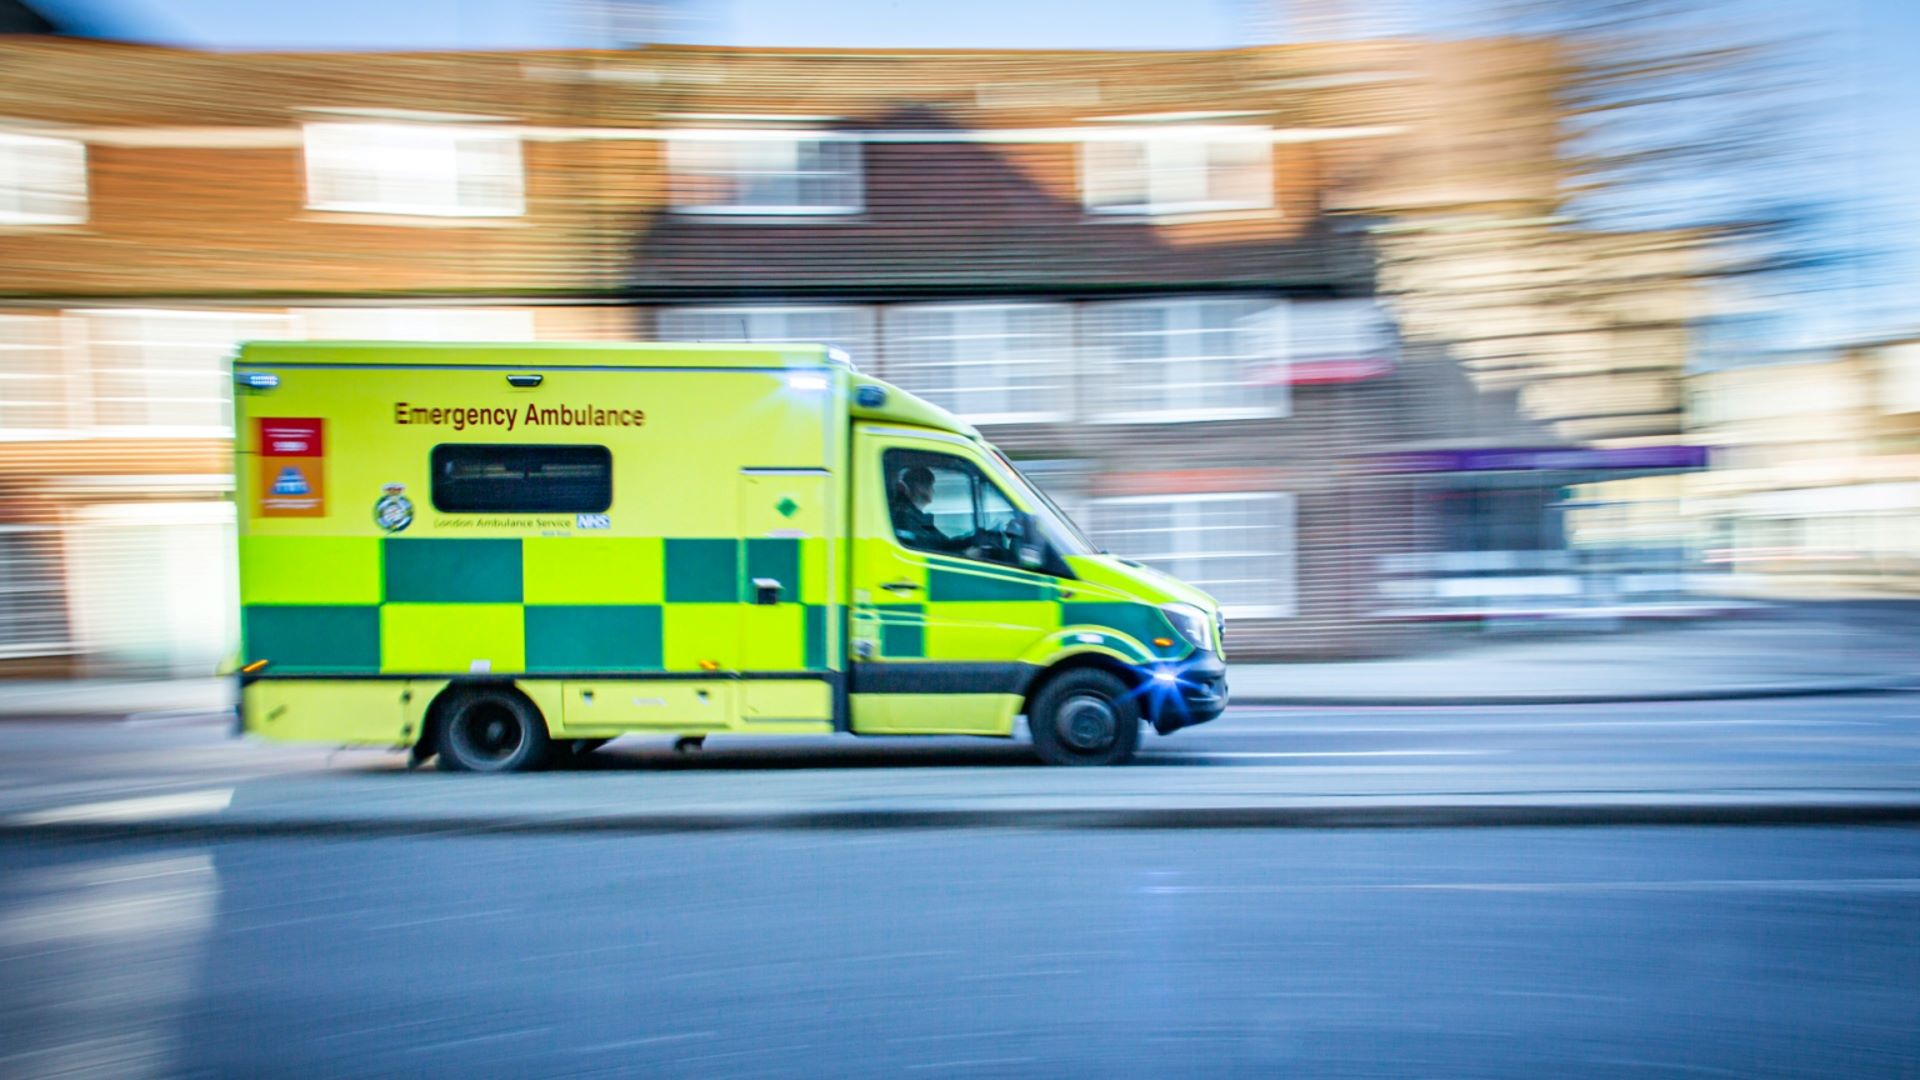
1568,458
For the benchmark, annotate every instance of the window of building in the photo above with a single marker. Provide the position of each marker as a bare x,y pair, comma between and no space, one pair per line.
1238,547
986,363
1179,171
35,389
944,504
1156,361
476,479
33,599
441,170
849,328
1337,330
764,173
415,324
160,372
43,181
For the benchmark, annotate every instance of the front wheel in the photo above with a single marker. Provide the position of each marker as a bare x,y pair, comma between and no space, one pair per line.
491,730
1085,717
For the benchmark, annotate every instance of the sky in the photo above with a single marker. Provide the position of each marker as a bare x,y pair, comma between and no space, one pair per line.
1867,140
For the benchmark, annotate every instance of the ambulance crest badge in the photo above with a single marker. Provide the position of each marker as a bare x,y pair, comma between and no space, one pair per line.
394,511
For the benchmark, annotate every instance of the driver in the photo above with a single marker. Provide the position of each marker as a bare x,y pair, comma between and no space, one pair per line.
912,494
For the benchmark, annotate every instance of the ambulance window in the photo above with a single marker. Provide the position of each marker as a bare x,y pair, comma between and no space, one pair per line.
939,502
476,478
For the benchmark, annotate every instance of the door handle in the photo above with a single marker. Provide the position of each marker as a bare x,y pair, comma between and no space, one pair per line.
902,586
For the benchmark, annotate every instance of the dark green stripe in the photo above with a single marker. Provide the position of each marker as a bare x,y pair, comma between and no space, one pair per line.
946,584
452,571
816,655
902,630
580,637
703,572
1142,622
776,558
294,638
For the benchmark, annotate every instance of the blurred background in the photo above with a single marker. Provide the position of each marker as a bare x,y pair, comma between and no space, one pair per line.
1400,328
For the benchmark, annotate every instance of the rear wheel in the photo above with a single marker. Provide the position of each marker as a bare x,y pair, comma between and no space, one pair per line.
1085,717
493,730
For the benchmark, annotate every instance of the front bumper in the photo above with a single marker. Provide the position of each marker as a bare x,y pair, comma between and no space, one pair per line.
1185,693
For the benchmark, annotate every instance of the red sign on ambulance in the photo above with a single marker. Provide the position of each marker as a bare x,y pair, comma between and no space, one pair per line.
291,473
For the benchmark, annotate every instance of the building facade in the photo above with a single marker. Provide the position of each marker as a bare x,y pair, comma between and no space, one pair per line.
1154,278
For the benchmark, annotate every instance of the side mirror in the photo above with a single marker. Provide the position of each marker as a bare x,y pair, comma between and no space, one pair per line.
1029,547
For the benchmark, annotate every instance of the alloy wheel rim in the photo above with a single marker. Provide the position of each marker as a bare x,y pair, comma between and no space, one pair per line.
1087,723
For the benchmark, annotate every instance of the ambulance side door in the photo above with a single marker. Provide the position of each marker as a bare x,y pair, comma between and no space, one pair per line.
942,608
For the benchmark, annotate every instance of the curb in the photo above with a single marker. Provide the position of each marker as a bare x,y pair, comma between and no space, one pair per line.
1376,816
1877,685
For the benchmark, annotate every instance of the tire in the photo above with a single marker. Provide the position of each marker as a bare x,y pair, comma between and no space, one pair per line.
1085,717
491,730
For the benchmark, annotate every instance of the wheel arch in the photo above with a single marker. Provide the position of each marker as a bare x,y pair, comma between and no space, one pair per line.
428,743
1078,661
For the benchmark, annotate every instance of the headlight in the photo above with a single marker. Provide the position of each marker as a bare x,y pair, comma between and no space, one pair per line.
1191,623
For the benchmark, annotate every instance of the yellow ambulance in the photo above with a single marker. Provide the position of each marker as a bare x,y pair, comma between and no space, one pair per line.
495,554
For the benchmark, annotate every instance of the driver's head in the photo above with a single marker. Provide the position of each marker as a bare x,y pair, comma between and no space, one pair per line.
916,485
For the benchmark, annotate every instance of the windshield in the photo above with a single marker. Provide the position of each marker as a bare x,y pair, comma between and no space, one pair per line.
1059,528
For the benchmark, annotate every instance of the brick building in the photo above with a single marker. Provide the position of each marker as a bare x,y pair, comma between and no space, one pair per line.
1151,276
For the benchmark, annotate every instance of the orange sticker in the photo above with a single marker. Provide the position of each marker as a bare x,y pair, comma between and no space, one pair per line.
292,473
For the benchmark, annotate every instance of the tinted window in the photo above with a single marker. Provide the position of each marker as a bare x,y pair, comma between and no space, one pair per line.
477,478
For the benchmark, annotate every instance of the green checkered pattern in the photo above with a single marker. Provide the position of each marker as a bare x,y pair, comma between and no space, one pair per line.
355,605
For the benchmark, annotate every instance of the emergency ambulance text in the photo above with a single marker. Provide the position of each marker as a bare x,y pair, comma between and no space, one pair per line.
460,418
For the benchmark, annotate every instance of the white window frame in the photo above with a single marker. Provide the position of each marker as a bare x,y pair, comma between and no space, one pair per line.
65,158
685,147
1094,345
214,370
330,137
1171,158
862,350
1061,366
1286,560
68,404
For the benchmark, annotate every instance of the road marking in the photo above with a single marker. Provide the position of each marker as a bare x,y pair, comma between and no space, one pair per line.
627,1044
177,718
1545,725
1821,885
1317,753
146,808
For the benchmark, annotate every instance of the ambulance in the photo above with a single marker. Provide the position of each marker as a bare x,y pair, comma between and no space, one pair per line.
500,555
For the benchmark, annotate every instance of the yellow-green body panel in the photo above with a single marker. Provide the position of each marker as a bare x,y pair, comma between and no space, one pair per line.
733,581
937,714
390,712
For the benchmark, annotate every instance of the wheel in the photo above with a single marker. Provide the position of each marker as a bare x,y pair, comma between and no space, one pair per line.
1085,717
492,730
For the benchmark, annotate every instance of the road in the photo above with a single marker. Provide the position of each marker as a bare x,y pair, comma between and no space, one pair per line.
1406,952
1852,747
1393,953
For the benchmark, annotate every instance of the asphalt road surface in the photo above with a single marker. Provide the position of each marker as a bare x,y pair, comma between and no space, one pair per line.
1394,953
1409,952
1867,743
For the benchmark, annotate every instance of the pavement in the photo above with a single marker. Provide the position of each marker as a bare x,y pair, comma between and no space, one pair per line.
1799,650
1834,760
1503,955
